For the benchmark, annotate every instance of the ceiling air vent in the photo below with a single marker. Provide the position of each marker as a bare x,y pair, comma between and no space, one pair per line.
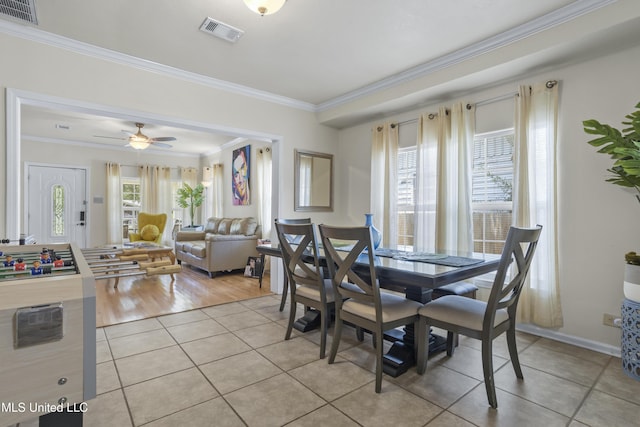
20,10
220,29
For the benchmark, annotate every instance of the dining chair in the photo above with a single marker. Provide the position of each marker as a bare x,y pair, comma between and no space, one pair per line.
308,286
285,284
485,320
359,299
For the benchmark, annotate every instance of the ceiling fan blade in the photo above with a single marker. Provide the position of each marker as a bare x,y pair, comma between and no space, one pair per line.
163,138
161,144
109,137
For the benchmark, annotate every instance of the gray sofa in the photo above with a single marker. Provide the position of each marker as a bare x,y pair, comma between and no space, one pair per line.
225,244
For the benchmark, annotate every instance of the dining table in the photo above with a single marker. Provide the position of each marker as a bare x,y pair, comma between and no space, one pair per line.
415,274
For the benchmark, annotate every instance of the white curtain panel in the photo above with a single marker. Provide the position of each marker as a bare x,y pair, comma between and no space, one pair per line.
535,199
458,218
424,220
114,204
443,219
207,205
384,185
263,167
165,202
217,191
146,198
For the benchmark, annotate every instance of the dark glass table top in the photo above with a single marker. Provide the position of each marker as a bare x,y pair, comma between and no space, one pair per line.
418,273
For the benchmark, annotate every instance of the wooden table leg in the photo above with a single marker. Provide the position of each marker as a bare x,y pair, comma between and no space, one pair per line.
400,356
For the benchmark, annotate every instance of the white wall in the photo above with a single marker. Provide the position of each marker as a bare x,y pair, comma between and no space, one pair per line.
598,222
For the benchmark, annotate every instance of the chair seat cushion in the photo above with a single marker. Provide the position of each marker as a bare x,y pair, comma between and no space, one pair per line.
394,307
196,248
466,312
313,292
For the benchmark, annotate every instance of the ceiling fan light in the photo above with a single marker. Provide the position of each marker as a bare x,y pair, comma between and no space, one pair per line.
265,7
139,145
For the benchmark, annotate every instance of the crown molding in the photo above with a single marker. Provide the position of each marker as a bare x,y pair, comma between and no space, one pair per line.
544,22
550,20
40,36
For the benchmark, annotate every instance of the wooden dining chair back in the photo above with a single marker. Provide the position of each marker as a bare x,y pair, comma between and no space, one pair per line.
299,246
351,263
285,286
485,320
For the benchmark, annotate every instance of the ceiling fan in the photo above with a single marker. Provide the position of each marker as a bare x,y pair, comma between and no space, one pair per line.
140,141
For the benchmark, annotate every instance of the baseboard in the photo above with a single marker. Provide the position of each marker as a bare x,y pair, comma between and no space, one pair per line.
570,339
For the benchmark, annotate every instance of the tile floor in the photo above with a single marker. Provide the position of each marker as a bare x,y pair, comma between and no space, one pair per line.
229,365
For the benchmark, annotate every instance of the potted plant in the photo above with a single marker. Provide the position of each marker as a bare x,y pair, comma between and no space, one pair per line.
190,197
624,148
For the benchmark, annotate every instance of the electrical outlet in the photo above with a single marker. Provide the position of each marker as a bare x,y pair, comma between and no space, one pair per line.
610,320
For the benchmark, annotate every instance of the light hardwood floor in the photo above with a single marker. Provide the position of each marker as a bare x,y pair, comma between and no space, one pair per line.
138,298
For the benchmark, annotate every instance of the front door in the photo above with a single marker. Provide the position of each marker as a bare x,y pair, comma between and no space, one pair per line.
57,204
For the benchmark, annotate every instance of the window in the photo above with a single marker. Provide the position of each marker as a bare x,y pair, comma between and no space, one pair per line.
58,210
492,190
130,203
492,187
406,196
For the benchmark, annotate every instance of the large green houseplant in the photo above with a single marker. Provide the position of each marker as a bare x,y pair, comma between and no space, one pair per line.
624,148
190,197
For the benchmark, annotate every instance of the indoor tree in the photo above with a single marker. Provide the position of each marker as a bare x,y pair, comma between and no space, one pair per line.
624,148
190,197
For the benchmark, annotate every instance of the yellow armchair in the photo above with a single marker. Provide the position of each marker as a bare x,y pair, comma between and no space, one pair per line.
150,228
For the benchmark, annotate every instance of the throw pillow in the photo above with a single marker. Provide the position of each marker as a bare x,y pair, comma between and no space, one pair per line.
235,226
212,225
225,226
149,232
248,226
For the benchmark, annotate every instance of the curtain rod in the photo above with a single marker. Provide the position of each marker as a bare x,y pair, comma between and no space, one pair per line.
170,167
549,84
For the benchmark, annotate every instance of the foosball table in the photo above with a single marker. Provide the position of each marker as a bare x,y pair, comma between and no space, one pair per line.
47,333
120,261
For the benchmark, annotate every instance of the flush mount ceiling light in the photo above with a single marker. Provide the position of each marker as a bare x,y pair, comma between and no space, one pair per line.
138,145
265,7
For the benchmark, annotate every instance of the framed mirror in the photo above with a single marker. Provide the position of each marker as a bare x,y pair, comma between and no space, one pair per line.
313,187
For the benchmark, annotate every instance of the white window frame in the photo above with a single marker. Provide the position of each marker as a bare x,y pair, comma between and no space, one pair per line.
130,223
